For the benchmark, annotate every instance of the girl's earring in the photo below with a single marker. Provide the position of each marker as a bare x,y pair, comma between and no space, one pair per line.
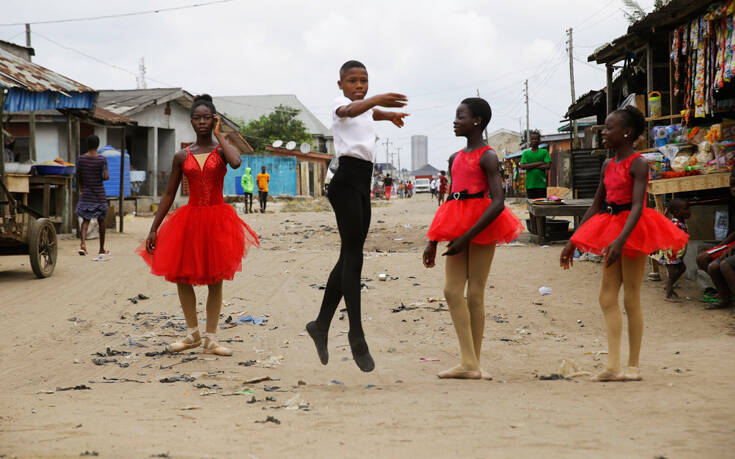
476,124
626,136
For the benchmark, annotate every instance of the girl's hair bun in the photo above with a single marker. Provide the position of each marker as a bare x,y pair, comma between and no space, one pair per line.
206,97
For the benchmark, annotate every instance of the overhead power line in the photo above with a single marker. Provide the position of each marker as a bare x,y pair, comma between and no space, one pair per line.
119,15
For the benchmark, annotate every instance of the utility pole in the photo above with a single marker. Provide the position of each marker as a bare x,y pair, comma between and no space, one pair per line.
400,174
571,82
31,114
387,154
528,124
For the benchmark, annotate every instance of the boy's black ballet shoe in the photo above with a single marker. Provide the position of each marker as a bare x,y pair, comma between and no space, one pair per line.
320,341
361,354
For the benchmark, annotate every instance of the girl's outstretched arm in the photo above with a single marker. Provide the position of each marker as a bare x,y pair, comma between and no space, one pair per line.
491,166
566,258
639,170
166,200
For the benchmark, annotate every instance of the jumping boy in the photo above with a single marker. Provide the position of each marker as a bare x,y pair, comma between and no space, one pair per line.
263,178
349,194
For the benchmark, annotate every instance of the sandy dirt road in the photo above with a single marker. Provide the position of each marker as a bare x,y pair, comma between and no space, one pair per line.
683,409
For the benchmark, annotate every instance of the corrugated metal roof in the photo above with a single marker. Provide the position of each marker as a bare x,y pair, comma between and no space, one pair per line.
129,101
16,72
247,108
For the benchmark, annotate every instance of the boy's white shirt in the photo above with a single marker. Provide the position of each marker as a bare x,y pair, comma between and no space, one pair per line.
353,136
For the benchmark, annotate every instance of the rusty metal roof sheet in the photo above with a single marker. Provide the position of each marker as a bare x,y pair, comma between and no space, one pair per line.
16,72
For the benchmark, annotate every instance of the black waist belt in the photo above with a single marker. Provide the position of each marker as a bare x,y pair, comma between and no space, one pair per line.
458,196
614,209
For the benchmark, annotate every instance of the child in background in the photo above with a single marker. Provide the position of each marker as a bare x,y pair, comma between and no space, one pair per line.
247,189
349,194
678,210
624,231
263,179
91,172
442,187
473,224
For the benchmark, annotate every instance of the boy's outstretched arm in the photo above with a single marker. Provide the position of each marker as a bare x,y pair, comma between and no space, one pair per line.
358,107
394,117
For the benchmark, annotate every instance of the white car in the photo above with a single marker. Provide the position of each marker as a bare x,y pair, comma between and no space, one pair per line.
421,185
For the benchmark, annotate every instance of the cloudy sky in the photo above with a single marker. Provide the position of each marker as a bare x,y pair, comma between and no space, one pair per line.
435,52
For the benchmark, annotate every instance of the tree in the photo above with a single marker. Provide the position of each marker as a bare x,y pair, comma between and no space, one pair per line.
281,124
634,13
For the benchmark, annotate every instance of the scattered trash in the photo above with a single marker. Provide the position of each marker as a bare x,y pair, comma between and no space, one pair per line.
90,453
335,382
249,363
428,359
271,388
580,323
272,361
570,369
207,386
102,361
242,392
142,296
545,246
382,276
160,455
544,291
111,352
173,379
301,383
190,407
114,380
269,419
257,380
500,319
369,386
551,377
132,342
157,353
403,307
296,403
247,320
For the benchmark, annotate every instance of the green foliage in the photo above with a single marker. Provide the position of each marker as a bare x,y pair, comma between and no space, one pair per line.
281,124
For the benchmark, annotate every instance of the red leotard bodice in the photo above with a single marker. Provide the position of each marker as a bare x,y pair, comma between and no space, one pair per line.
467,173
205,183
619,181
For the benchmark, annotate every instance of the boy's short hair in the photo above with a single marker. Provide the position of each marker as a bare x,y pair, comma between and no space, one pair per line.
351,65
479,108
677,203
534,132
93,142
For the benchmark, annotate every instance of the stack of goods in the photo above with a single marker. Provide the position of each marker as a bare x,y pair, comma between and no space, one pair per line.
702,53
683,152
55,167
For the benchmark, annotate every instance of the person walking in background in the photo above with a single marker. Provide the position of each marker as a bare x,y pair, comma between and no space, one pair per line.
263,178
432,187
388,183
247,189
535,161
409,187
442,187
91,172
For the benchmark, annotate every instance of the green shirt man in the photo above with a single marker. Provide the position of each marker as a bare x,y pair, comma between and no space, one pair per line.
247,189
536,161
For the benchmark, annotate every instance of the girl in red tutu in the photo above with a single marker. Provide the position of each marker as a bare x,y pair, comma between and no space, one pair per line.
203,242
624,231
473,225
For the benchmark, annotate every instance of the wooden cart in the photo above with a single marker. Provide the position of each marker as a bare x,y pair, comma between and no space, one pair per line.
23,231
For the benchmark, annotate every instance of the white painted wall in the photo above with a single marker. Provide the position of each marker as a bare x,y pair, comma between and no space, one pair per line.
48,142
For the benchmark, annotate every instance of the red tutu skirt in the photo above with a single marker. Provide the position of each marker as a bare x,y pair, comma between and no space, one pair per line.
455,217
652,232
200,245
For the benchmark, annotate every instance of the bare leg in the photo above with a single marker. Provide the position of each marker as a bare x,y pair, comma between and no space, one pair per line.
214,306
480,260
456,279
101,225
674,273
83,244
728,274
612,278
188,301
633,269
715,272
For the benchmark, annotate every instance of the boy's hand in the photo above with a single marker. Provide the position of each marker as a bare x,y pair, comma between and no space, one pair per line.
391,99
429,255
397,118
566,260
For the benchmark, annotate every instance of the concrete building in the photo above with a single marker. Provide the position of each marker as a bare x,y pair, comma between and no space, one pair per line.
419,151
248,108
504,142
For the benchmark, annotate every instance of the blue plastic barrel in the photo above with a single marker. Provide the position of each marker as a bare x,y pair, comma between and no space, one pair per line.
112,186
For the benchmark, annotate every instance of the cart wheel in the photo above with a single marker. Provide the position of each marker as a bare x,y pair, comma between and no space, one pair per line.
42,247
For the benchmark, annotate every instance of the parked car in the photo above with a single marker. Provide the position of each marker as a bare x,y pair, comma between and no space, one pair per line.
421,185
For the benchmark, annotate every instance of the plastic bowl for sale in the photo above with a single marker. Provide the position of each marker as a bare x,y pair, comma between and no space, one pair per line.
54,170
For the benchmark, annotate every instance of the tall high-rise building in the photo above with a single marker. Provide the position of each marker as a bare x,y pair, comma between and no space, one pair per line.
419,151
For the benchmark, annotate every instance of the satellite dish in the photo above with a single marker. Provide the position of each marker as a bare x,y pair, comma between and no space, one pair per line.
291,145
305,148
277,143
